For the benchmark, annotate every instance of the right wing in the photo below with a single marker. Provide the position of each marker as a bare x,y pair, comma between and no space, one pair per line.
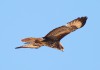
60,32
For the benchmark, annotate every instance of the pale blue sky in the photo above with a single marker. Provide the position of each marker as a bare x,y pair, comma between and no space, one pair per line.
35,18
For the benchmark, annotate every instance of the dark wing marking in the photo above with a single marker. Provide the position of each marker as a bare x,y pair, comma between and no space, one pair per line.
60,32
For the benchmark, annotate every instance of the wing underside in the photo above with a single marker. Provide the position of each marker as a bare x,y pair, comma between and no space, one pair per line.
60,32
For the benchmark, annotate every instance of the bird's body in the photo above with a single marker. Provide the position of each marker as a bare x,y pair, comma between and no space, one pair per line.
52,39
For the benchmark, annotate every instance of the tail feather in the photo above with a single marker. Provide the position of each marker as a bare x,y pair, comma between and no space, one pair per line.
28,39
31,43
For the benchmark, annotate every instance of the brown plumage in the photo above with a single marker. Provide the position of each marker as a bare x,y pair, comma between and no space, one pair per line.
52,39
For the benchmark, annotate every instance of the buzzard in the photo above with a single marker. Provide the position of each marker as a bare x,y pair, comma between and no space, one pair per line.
52,39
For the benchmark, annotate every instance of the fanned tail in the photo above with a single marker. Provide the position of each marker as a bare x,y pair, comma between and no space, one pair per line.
31,43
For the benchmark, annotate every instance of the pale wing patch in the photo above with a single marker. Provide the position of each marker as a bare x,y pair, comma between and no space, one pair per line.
76,23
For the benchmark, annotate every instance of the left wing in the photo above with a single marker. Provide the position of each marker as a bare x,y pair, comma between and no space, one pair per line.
27,46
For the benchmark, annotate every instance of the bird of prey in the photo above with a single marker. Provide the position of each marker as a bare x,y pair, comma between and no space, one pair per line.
52,39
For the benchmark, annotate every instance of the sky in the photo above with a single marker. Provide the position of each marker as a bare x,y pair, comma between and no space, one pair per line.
35,18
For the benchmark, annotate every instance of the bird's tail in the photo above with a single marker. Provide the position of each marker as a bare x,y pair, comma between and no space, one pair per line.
31,43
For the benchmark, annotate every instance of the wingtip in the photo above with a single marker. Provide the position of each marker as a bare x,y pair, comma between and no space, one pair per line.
17,47
83,20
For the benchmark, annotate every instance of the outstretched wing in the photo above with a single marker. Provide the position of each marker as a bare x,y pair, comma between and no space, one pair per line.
27,46
60,32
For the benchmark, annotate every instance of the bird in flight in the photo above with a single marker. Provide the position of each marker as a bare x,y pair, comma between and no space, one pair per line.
52,39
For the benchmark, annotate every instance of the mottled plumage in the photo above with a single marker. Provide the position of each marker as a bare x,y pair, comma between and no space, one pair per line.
52,39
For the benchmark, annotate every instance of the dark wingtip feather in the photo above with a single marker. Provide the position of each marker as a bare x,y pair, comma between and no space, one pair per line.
18,47
83,20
